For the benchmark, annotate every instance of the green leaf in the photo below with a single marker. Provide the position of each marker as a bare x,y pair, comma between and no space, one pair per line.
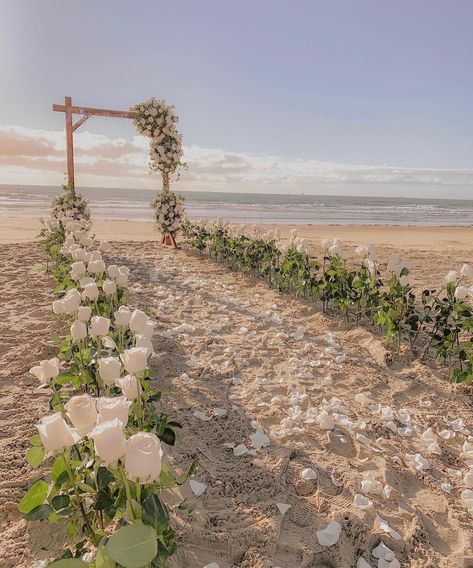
39,513
35,440
102,560
166,478
168,436
59,466
35,455
60,501
104,477
133,546
155,513
68,563
104,501
85,487
35,496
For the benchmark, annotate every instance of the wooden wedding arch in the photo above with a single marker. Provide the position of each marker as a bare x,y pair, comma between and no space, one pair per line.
86,112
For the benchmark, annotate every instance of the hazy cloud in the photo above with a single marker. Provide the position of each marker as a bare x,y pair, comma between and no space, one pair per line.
36,154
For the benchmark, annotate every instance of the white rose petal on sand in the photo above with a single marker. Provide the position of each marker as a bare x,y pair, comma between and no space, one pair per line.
308,474
330,535
362,502
283,507
197,487
259,440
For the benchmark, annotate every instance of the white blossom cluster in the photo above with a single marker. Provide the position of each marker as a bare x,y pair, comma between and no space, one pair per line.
254,232
66,207
294,242
461,279
156,120
169,212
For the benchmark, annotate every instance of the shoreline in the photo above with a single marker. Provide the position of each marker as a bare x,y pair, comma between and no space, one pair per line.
23,229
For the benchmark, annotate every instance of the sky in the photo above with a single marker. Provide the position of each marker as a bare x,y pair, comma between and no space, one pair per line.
362,97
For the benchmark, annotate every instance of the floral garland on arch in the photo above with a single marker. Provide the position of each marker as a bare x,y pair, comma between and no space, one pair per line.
169,213
157,121
67,207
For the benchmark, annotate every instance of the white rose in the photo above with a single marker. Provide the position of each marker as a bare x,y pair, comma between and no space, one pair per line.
71,301
112,271
82,413
467,270
461,292
84,313
95,255
143,457
135,360
96,266
122,277
91,291
58,307
129,386
109,369
78,330
122,316
109,441
451,277
83,282
148,330
404,280
87,241
109,287
55,434
99,326
142,341
104,246
138,321
113,408
46,370
77,253
77,270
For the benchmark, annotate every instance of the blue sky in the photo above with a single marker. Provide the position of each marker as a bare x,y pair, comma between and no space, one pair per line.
346,84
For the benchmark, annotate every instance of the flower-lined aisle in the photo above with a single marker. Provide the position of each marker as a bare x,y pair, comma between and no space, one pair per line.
102,440
303,459
349,282
226,351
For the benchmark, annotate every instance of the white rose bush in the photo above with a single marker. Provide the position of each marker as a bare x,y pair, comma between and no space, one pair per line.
156,120
439,323
68,207
103,440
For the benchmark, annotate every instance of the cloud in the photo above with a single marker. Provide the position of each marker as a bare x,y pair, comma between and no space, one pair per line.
37,156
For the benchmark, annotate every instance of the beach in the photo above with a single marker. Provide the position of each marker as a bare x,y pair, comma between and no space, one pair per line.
238,361
433,251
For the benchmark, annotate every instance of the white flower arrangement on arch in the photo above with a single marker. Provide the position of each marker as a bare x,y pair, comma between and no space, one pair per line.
156,120
67,207
169,213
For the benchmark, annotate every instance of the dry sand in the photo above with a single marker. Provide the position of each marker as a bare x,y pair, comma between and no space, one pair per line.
236,521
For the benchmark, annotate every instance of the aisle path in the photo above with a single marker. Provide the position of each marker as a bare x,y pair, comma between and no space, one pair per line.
227,345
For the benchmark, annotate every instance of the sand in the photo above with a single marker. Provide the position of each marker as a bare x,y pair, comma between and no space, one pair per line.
238,354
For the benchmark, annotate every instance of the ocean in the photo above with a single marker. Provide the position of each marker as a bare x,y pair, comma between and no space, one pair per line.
133,204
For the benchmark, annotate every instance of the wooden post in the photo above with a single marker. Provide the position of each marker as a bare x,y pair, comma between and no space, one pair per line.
69,111
69,142
165,177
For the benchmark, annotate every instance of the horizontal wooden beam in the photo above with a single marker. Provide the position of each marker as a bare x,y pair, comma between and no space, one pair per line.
94,111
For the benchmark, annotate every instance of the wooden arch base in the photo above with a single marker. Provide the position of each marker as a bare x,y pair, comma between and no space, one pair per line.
169,240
